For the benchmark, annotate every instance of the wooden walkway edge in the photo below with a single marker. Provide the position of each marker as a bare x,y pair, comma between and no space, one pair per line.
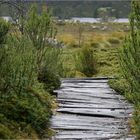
90,110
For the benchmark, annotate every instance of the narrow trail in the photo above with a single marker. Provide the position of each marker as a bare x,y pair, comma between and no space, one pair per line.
90,110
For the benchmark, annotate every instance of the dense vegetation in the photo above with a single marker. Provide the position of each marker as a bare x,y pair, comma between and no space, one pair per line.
31,66
129,83
25,103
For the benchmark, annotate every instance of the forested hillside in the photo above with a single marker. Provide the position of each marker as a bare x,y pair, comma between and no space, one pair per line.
67,9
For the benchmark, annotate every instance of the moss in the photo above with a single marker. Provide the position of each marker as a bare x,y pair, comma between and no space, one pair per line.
6,133
79,74
95,44
121,86
136,121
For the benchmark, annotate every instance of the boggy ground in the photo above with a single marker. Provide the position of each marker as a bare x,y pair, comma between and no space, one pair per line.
105,39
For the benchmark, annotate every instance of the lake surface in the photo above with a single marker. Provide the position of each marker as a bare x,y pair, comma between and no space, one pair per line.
97,20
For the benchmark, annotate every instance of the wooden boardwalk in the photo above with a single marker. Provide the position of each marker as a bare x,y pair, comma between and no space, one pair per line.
90,110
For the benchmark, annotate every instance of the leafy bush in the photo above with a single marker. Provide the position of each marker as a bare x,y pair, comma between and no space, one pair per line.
85,61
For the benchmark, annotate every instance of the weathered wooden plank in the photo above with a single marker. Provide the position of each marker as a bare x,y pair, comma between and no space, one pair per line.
106,126
94,92
114,136
86,78
81,124
117,113
94,135
85,85
90,110
88,98
91,136
71,117
88,90
94,101
88,95
88,123
93,106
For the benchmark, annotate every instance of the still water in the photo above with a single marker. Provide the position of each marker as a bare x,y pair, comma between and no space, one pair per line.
96,20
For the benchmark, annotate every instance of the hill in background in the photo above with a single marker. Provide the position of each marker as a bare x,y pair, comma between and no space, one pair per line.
67,9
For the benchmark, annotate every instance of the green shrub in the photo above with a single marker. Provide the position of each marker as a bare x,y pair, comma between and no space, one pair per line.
51,69
50,79
17,66
85,61
23,99
136,121
113,40
31,108
106,44
130,63
40,29
19,98
4,28
73,45
120,85
130,53
95,44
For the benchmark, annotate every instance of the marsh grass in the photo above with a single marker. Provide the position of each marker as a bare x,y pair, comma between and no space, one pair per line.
104,52
114,40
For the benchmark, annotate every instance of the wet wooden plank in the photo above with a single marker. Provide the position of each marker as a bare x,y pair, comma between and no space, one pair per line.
96,101
90,135
67,94
92,106
90,109
88,90
75,122
85,85
84,81
118,113
86,78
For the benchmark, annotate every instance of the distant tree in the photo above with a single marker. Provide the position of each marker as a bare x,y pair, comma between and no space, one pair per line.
105,14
